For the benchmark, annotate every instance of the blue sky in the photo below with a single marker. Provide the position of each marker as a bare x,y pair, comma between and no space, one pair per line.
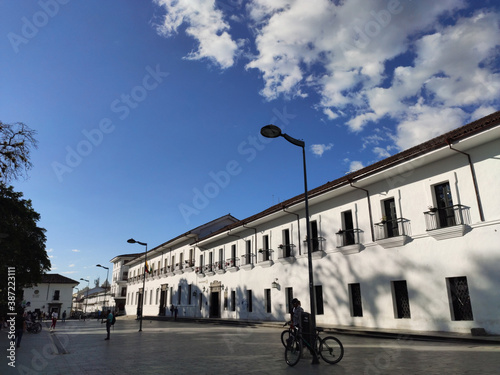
148,113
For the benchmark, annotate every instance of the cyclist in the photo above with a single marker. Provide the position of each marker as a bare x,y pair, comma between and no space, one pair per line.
296,313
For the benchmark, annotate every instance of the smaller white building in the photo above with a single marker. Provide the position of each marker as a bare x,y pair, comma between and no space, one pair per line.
53,293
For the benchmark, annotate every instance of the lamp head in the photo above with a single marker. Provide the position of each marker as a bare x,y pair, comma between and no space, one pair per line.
131,240
270,131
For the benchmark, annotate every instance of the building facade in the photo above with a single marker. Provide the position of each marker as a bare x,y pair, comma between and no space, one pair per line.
54,293
410,242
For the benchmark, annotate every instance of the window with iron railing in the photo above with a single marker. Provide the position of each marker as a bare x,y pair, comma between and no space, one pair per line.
347,237
449,216
391,228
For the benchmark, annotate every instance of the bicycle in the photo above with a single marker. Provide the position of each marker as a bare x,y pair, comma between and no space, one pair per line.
330,349
33,327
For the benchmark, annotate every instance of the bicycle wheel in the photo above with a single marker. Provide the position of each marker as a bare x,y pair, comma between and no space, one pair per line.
284,337
331,350
293,352
37,328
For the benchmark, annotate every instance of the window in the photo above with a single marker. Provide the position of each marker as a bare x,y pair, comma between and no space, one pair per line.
221,258
289,297
249,300
390,220
401,300
287,250
179,290
458,292
318,294
265,247
355,299
56,295
233,300
347,229
190,288
151,297
314,235
444,202
146,298
267,296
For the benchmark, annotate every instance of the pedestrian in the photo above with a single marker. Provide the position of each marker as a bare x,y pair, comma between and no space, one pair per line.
55,315
176,311
109,322
64,316
171,310
20,325
98,314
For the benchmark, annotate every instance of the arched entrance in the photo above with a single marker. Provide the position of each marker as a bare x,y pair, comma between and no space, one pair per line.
215,296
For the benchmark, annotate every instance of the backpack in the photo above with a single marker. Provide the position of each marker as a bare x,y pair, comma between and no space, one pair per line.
113,321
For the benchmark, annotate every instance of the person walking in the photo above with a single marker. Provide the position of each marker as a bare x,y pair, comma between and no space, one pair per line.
20,325
54,320
109,322
64,316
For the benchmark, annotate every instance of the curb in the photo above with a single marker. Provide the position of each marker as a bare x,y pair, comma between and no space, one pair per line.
399,335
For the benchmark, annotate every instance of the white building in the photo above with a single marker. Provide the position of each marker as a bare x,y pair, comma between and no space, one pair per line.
410,242
120,280
53,293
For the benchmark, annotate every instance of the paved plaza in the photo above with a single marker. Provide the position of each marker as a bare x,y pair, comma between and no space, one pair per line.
168,347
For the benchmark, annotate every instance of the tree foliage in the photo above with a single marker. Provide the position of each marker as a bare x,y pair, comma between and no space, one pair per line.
16,142
22,243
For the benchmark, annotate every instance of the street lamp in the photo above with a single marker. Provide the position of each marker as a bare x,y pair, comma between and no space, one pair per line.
105,290
86,299
272,131
131,240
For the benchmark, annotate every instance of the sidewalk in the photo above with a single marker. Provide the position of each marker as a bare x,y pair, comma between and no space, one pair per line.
348,330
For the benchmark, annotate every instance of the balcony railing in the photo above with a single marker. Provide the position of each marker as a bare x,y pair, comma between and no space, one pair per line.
316,243
447,217
246,259
285,251
347,237
231,262
265,255
391,228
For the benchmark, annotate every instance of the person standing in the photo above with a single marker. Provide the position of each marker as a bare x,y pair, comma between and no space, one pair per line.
20,325
54,320
64,316
109,322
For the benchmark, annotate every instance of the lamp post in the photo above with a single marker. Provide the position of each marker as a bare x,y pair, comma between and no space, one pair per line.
131,240
86,299
272,131
105,290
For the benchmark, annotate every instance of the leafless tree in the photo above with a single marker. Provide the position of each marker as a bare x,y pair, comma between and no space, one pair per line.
16,142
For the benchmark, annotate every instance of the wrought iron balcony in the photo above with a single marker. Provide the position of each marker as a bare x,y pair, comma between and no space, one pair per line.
447,217
391,228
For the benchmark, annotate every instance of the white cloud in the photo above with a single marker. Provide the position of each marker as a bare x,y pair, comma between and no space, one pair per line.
319,149
75,250
205,24
381,152
424,123
482,111
68,272
410,62
50,250
71,265
355,166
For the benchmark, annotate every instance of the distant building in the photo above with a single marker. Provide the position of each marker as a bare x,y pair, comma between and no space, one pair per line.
410,242
120,280
53,293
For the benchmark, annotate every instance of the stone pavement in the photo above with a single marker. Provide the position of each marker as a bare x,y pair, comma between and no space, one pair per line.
190,347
